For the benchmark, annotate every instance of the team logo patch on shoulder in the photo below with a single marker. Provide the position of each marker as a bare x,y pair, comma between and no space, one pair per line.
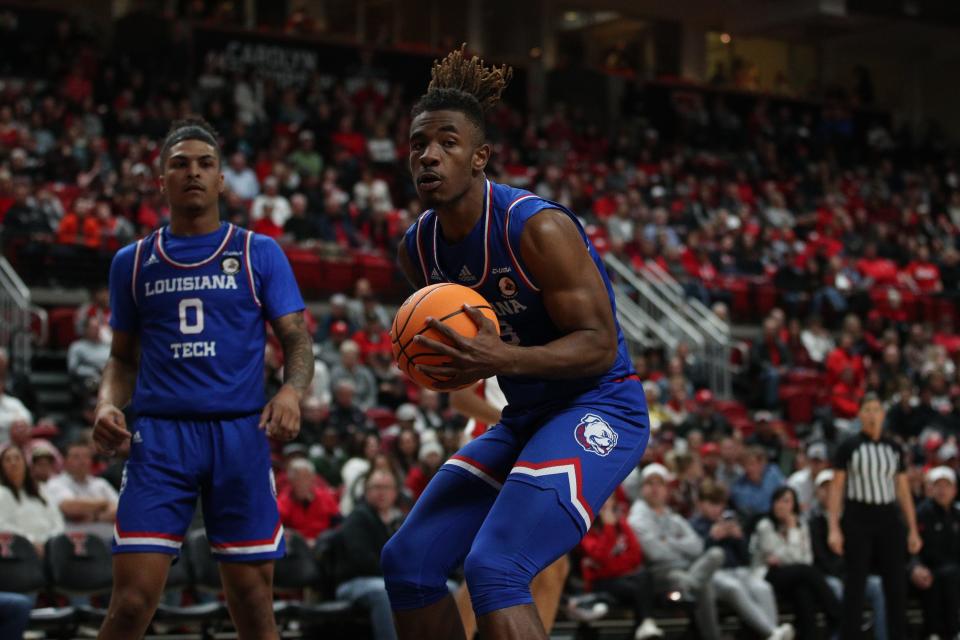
594,434
230,265
507,286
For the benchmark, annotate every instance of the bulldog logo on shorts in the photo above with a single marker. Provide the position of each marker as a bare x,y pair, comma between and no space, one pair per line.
594,434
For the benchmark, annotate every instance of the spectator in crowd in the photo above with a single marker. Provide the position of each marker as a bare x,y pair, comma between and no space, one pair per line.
270,204
88,503
816,340
338,313
330,346
770,360
613,563
239,178
328,456
749,595
752,491
45,460
345,415
86,358
429,415
306,506
430,458
831,565
23,508
305,160
406,451
363,535
729,469
406,415
674,552
350,368
98,306
802,480
372,338
782,548
935,571
356,468
299,227
767,434
11,409
363,302
705,418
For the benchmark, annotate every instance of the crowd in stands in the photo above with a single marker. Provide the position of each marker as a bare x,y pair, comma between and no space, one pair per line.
852,229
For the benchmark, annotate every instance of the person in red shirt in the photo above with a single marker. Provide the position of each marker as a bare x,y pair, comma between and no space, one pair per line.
613,562
307,506
843,357
372,338
428,463
80,227
924,273
846,394
877,270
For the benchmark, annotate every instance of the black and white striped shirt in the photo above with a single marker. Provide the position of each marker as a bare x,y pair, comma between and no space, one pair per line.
872,467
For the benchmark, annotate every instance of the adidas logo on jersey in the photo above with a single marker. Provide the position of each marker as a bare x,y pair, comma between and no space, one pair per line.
435,275
137,438
466,276
151,260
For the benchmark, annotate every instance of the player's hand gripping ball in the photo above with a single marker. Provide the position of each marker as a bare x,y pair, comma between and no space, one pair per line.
444,303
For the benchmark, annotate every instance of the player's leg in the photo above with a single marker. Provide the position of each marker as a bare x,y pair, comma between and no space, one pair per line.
547,588
157,497
243,523
138,581
438,532
571,464
248,587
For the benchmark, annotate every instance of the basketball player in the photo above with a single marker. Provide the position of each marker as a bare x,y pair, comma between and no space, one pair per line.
188,306
523,494
482,404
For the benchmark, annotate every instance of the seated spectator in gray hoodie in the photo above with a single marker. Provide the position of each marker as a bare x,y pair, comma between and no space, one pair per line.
673,550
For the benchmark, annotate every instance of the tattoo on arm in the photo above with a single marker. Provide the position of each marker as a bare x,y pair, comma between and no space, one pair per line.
297,350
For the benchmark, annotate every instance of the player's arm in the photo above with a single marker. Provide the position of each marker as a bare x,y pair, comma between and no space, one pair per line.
116,390
414,277
281,416
468,403
575,298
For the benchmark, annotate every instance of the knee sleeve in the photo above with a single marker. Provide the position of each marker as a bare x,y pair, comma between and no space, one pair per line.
527,530
411,580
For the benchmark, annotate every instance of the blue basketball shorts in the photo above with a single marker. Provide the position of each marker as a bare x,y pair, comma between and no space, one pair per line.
514,500
225,463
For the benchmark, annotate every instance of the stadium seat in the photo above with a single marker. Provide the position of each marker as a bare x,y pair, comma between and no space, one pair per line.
62,328
204,571
21,569
297,570
79,564
381,417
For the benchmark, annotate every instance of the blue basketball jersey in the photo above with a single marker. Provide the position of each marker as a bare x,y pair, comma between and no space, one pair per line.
198,305
489,260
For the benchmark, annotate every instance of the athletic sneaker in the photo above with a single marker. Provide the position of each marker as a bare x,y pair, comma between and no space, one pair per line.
586,609
648,629
783,632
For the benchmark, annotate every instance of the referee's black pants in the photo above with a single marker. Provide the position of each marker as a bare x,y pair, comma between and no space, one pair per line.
874,541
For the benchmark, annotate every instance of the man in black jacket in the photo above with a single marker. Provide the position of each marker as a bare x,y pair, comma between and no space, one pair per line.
361,539
935,571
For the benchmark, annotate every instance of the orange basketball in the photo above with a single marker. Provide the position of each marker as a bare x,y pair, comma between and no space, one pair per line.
444,302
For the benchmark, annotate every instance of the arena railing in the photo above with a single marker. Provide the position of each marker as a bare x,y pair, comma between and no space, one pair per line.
662,300
15,318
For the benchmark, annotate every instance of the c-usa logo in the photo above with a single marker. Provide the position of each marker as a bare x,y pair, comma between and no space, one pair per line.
594,434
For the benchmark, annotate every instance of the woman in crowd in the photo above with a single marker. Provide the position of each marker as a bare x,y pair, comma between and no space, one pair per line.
355,468
23,510
781,546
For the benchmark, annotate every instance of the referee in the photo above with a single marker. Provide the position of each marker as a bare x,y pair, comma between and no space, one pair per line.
869,480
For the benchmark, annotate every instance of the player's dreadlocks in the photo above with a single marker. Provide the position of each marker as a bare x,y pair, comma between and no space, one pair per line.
192,128
464,84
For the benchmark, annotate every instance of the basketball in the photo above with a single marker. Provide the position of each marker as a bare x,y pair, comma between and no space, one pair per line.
444,302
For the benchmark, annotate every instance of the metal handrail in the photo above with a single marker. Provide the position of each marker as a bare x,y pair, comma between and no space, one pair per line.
700,312
15,332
